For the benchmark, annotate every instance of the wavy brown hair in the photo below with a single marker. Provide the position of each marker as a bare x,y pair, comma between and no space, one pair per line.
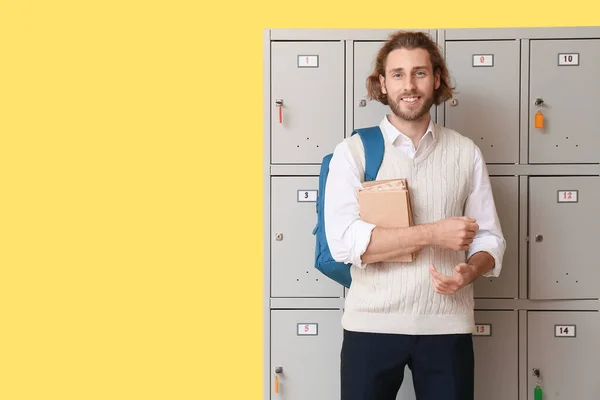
410,40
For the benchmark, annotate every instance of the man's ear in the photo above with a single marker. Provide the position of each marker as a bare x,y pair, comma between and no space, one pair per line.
437,79
382,84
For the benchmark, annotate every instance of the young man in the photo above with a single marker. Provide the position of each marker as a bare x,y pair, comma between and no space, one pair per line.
416,313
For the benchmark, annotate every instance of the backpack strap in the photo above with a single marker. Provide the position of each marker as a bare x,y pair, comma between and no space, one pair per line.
374,146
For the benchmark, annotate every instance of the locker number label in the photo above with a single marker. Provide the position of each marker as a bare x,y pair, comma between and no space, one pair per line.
564,330
568,59
305,61
568,196
309,196
483,60
483,330
308,329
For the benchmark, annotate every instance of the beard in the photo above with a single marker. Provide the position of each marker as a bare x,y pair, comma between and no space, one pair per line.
411,114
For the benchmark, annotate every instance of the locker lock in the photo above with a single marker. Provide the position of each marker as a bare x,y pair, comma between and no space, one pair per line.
278,370
536,372
362,103
279,237
539,238
539,102
453,102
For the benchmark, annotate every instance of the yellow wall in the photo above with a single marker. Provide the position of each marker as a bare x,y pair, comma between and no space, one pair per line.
129,267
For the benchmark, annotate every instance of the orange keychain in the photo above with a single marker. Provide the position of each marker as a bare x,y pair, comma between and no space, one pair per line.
276,384
539,120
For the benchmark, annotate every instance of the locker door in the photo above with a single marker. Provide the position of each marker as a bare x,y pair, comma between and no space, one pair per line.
506,197
294,216
564,228
486,107
495,344
563,346
306,345
564,74
368,112
308,77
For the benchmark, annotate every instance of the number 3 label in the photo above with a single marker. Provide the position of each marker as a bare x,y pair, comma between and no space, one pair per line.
307,195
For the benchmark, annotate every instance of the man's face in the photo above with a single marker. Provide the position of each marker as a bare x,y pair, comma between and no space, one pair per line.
409,83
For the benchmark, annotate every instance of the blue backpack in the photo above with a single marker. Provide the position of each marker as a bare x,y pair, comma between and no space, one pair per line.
373,142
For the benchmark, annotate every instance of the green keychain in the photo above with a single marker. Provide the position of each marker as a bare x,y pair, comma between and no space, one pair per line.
537,392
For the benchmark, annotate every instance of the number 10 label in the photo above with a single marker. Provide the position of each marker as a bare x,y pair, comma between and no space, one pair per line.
568,59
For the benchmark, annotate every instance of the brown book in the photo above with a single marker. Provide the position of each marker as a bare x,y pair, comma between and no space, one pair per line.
386,204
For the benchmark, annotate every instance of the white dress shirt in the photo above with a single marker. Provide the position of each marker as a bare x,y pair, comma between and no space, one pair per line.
348,236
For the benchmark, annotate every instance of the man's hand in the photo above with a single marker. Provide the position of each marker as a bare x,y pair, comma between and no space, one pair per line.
463,275
455,233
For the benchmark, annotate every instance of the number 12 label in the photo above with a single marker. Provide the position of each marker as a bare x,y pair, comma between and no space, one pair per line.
568,196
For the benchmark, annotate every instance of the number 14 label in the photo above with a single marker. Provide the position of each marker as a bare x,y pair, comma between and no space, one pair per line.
564,331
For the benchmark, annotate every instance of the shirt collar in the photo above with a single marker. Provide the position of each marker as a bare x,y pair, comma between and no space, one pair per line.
392,133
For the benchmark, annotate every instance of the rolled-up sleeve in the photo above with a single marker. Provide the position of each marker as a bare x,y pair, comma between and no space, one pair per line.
480,205
347,235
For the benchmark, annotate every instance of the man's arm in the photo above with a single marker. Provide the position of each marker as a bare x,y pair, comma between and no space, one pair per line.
487,250
350,239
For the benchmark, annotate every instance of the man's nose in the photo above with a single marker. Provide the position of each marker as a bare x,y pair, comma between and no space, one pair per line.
410,84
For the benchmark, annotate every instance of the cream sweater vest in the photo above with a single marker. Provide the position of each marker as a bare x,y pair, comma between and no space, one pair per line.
400,297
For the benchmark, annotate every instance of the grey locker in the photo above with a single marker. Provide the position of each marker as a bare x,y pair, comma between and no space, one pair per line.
564,228
495,343
407,390
563,346
571,132
486,107
306,345
368,112
506,197
293,218
308,77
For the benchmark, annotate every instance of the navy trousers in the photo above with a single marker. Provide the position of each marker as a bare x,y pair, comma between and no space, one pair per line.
372,366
